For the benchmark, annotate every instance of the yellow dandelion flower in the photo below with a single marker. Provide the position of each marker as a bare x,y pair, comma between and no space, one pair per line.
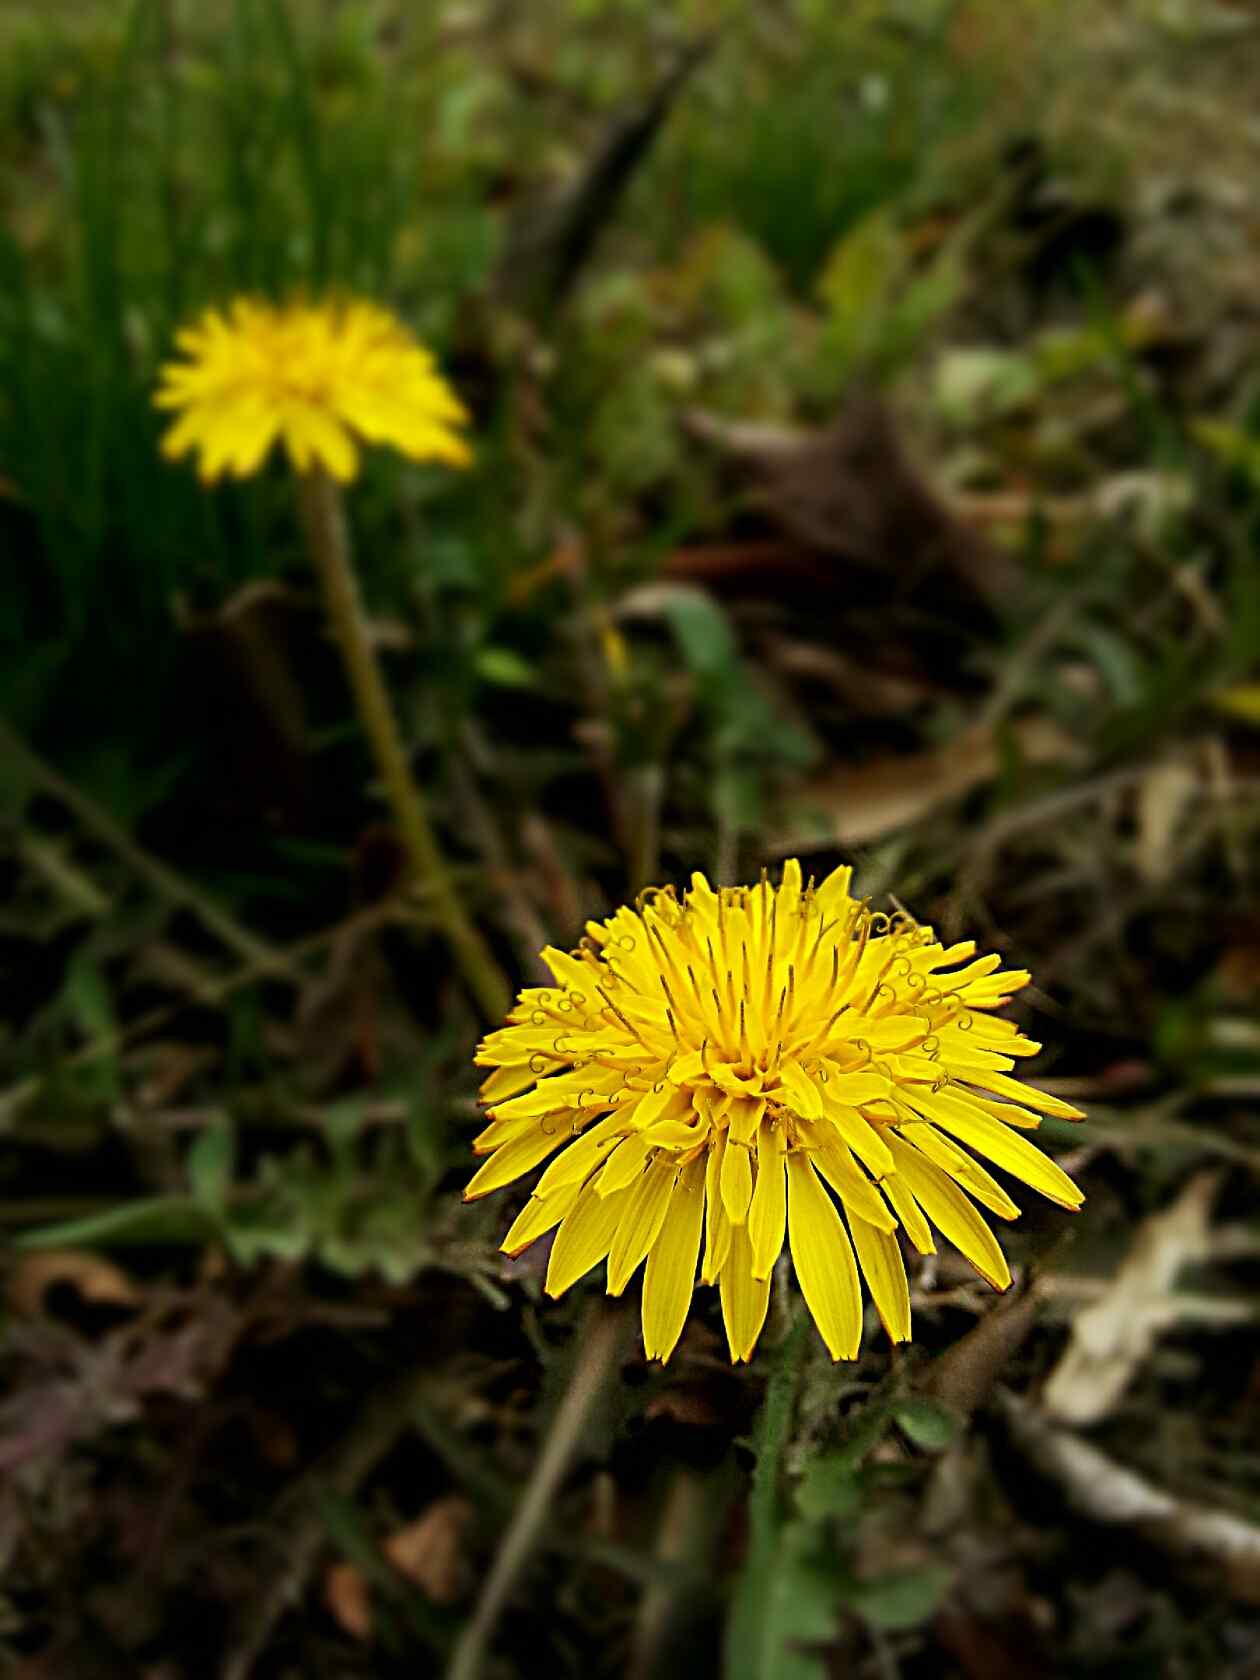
736,1067
319,378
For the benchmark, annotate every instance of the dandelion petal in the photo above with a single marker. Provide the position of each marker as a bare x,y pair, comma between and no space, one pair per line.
822,1257
669,1278
745,1299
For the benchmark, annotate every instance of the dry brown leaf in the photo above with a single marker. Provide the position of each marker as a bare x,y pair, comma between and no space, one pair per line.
349,1600
864,687
1111,1339
1163,798
865,803
1216,1544
761,565
851,491
96,1279
431,1551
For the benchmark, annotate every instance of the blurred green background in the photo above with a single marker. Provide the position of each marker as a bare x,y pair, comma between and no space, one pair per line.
867,469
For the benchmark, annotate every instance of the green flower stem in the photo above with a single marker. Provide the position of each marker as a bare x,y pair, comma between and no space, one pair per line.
328,542
749,1622
772,1431
599,1346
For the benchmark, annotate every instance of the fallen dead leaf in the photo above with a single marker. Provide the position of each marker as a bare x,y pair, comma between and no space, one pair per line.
95,1278
431,1552
863,687
852,491
866,802
761,565
1164,797
348,1599
1111,1339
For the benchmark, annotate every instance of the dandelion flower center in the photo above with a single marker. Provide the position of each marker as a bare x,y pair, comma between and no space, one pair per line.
738,1067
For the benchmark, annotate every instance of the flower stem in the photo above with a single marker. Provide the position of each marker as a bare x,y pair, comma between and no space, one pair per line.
599,1344
751,1628
328,543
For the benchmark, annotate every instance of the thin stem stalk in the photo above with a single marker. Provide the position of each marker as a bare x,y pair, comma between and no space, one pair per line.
328,542
599,1345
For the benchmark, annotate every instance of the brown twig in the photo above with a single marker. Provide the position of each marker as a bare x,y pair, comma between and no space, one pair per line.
679,1538
599,1347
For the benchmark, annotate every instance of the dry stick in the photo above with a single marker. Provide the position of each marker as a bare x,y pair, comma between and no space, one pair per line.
167,882
328,542
678,1538
599,1343
70,883
1209,1541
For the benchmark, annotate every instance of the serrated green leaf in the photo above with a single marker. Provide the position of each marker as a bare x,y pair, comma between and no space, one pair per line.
829,1488
864,1437
782,1607
976,383
900,1601
211,1164
924,302
343,1122
1117,660
928,1425
856,283
250,1237
703,633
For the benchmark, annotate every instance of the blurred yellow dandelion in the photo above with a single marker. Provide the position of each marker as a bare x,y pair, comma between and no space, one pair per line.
734,1067
318,378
